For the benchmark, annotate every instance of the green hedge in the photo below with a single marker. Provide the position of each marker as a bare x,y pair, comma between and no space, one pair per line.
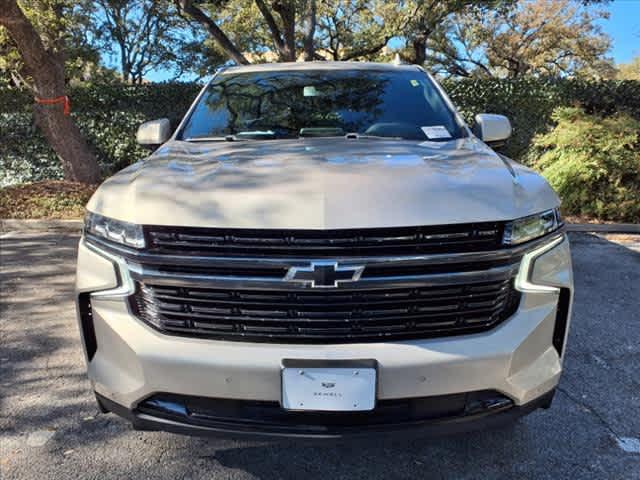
529,103
110,114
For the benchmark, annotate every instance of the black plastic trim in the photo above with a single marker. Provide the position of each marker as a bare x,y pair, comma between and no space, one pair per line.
331,335
383,241
562,319
490,417
86,324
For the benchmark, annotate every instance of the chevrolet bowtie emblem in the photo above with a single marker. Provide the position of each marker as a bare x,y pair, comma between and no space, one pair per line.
324,274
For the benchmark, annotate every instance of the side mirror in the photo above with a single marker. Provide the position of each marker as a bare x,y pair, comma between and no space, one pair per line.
492,129
154,133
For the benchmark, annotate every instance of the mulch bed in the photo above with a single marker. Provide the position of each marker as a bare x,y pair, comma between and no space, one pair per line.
53,199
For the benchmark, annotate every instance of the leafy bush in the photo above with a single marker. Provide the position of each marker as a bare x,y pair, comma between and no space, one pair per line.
593,162
529,103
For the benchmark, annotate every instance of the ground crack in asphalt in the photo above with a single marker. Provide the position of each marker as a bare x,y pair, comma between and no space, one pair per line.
591,410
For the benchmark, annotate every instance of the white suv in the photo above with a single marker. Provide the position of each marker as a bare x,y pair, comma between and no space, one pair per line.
321,250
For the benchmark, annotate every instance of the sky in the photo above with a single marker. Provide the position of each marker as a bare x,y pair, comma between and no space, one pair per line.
623,26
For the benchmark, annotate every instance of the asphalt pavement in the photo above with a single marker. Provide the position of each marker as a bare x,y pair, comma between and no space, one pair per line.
50,427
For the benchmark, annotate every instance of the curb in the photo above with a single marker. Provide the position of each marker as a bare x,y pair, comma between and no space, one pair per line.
632,228
67,226
74,226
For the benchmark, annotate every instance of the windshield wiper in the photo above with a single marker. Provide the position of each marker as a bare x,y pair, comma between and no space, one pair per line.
358,136
256,134
226,138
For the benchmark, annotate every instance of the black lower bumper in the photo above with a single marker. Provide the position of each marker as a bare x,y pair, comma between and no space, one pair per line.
429,416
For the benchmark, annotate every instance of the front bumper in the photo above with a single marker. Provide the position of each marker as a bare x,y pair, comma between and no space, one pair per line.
433,416
521,359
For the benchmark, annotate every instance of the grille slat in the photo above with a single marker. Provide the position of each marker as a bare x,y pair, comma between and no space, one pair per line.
325,243
336,316
327,318
321,303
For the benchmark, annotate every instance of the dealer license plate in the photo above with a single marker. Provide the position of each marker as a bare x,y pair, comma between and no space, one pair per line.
329,389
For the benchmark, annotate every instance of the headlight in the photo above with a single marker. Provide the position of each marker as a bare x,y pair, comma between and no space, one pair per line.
124,233
533,226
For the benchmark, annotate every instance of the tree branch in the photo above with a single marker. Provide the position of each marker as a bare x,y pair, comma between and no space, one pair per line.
218,35
365,52
276,35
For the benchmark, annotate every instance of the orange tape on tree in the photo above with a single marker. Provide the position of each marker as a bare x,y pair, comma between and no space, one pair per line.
66,109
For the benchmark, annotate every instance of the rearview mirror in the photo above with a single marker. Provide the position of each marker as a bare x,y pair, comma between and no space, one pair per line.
492,129
154,133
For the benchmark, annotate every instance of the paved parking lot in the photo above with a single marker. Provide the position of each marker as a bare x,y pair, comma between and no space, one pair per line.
51,428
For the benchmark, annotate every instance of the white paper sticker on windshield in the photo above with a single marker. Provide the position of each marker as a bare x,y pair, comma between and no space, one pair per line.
436,132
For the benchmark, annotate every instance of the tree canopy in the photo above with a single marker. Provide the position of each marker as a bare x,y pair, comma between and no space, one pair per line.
457,38
629,71
61,26
142,35
531,37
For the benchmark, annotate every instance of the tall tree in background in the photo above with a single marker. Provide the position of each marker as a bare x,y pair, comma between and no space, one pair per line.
66,33
43,64
249,31
356,29
142,35
427,18
532,37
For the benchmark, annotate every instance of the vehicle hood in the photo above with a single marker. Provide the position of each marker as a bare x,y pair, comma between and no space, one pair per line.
322,183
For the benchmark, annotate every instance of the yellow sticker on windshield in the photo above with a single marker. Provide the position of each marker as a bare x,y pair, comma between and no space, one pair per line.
414,83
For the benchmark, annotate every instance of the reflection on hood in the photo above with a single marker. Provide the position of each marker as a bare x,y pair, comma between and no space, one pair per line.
322,183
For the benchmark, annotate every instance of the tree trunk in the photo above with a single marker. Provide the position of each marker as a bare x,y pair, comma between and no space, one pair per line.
47,70
287,12
309,32
283,41
78,163
419,45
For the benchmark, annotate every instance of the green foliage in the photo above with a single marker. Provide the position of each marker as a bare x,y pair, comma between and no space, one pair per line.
62,26
629,71
108,115
593,162
141,36
538,38
530,102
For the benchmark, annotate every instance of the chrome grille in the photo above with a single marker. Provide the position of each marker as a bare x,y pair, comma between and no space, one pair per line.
334,316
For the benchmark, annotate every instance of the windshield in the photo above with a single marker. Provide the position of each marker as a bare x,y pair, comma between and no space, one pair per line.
291,104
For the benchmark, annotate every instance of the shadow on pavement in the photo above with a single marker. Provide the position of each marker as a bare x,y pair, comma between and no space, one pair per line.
44,387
